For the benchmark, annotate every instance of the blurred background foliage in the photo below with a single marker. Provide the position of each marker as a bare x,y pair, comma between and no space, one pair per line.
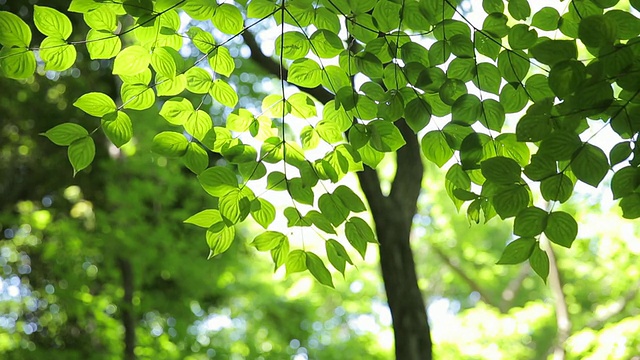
84,259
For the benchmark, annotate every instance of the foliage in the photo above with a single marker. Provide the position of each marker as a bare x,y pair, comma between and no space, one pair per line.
568,75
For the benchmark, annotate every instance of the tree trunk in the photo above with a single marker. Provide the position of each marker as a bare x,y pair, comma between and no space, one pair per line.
393,215
128,318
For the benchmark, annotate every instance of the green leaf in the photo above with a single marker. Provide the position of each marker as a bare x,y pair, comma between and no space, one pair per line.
620,152
561,229
263,212
200,9
65,134
260,8
530,222
170,87
51,22
492,114
268,240
102,18
417,114
560,145
292,45
556,188
221,61
218,181
196,158
513,97
451,90
519,9
513,65
466,109
302,105
219,241
131,61
228,19
510,200
177,110
202,40
337,254
300,192
118,128
205,218
138,8
235,205
320,221
163,62
81,153
551,52
198,124
333,209
590,165
224,93
546,18
329,132
96,104
517,251
280,254
522,37
488,78
170,144
625,181
14,31
533,128
435,148
57,54
326,44
597,31
501,170
630,206
16,63
198,80
385,136
318,269
305,72
496,25
566,77
539,262
137,96
296,262
358,234
102,44
349,199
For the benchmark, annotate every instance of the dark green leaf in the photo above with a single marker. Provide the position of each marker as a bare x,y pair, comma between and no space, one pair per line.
511,200
625,181
590,165
501,170
556,188
561,229
539,262
517,251
530,222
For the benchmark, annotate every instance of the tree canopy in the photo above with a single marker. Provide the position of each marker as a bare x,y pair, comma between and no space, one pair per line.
520,107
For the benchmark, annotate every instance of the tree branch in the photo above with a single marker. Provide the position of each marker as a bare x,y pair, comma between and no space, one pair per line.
407,181
512,289
563,320
486,298
615,308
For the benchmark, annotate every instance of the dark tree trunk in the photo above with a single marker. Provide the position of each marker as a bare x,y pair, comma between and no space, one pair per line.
393,215
128,317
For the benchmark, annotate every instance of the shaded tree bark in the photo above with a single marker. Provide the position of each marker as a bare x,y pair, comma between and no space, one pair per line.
393,215
128,317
